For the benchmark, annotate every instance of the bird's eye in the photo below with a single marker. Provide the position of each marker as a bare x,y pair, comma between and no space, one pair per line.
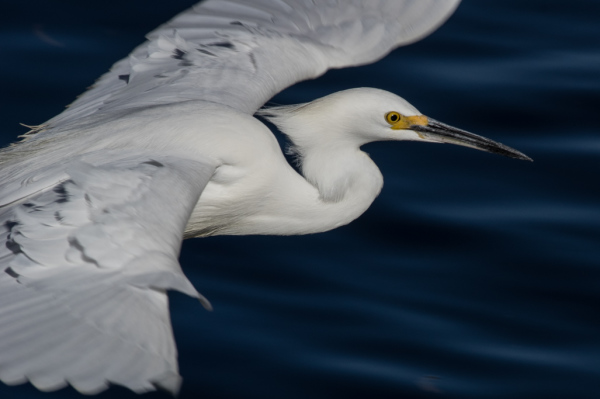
392,117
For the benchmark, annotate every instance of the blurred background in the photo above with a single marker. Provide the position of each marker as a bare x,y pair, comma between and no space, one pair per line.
471,276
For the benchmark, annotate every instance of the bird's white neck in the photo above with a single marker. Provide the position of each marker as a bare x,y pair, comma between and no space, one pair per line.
338,183
341,174
337,187
347,180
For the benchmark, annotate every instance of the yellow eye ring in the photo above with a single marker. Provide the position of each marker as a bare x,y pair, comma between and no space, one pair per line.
392,117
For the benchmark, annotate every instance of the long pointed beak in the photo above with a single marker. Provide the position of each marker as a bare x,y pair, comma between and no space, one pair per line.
438,131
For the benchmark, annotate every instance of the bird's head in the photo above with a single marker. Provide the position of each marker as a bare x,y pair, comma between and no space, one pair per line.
358,116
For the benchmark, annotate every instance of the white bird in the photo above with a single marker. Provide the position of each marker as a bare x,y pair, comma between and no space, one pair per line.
95,202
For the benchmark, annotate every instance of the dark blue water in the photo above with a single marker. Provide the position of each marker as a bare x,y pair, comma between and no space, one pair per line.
471,276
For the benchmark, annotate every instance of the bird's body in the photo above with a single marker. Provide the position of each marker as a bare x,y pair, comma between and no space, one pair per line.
165,146
248,194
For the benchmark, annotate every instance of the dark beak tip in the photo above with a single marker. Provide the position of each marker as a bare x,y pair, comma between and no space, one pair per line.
449,134
520,156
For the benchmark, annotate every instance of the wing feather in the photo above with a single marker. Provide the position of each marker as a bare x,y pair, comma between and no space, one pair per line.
84,273
89,249
240,53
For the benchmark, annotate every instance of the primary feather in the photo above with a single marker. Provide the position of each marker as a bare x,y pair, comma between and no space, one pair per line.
240,53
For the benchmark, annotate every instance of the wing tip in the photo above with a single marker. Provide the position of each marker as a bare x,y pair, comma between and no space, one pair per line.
205,302
169,382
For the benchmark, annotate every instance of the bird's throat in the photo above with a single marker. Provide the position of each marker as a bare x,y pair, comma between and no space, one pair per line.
346,177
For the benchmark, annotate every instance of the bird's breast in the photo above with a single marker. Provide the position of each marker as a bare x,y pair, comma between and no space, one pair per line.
249,161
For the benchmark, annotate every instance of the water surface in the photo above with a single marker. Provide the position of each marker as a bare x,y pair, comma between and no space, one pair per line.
471,276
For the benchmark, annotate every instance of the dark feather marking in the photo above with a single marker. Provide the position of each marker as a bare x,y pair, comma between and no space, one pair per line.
58,217
13,247
207,52
185,63
60,190
79,247
28,205
10,224
154,163
178,54
63,195
236,23
160,75
124,78
223,44
253,60
11,272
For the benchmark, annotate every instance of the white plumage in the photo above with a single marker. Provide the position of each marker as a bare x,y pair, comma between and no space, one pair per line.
95,202
86,265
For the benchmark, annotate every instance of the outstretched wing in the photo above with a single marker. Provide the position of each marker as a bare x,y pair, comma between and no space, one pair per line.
85,264
240,53
84,269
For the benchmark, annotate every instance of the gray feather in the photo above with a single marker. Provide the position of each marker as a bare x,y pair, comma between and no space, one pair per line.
84,301
240,53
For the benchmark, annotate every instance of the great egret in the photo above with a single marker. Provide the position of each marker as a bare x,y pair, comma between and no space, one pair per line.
95,202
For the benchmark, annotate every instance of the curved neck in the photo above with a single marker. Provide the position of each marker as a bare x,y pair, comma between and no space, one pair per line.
341,175
338,183
337,187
